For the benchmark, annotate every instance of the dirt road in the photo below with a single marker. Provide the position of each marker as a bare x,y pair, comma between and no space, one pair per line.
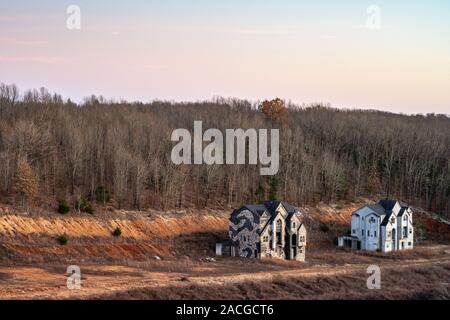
49,281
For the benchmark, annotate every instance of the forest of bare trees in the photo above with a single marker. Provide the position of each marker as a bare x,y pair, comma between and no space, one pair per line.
118,153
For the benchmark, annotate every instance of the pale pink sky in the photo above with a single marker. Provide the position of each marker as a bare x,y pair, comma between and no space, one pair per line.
191,50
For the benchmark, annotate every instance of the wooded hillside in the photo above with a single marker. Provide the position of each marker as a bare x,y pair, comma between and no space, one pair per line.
119,153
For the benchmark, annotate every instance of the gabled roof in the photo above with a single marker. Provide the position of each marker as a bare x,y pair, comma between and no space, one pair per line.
257,208
401,212
379,209
386,219
387,204
300,226
273,205
384,208
270,207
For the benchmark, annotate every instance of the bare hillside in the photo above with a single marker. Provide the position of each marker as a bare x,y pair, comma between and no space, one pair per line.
32,237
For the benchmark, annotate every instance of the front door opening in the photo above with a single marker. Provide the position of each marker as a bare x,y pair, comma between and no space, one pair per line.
394,243
294,246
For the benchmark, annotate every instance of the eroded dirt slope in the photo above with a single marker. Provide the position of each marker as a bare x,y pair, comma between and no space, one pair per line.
31,237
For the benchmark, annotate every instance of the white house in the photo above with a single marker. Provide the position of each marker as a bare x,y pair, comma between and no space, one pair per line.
385,226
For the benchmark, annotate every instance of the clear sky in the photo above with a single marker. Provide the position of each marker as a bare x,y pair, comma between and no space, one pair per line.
303,51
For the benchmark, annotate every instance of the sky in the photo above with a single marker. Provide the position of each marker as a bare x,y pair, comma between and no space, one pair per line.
396,58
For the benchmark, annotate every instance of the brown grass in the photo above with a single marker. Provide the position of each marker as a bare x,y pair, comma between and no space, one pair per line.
416,283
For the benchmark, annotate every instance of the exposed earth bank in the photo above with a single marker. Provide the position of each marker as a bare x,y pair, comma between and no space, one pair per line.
164,255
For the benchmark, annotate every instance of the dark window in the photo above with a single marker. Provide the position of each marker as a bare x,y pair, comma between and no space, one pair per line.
278,237
375,234
405,231
368,233
362,232
279,232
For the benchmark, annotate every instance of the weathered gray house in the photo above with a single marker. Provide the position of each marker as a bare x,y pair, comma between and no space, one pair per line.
270,230
385,226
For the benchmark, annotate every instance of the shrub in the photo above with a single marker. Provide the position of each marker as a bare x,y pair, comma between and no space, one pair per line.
63,207
85,206
117,232
62,239
102,195
324,227
273,188
88,208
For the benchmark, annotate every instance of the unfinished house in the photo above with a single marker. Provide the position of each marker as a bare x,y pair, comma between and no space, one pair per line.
270,230
385,226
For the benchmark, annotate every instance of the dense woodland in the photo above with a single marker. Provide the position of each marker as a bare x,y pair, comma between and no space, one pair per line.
118,154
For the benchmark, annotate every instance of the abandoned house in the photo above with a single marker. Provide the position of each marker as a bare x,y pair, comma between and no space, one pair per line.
385,226
270,230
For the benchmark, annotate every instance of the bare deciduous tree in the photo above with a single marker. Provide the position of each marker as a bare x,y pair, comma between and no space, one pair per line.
123,150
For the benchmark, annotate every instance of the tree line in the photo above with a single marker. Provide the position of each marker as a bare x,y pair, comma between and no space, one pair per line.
118,153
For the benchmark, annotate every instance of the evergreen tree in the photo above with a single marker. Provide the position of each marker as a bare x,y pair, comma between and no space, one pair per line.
273,188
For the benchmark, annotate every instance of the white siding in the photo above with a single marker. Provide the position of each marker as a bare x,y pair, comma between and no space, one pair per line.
366,226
